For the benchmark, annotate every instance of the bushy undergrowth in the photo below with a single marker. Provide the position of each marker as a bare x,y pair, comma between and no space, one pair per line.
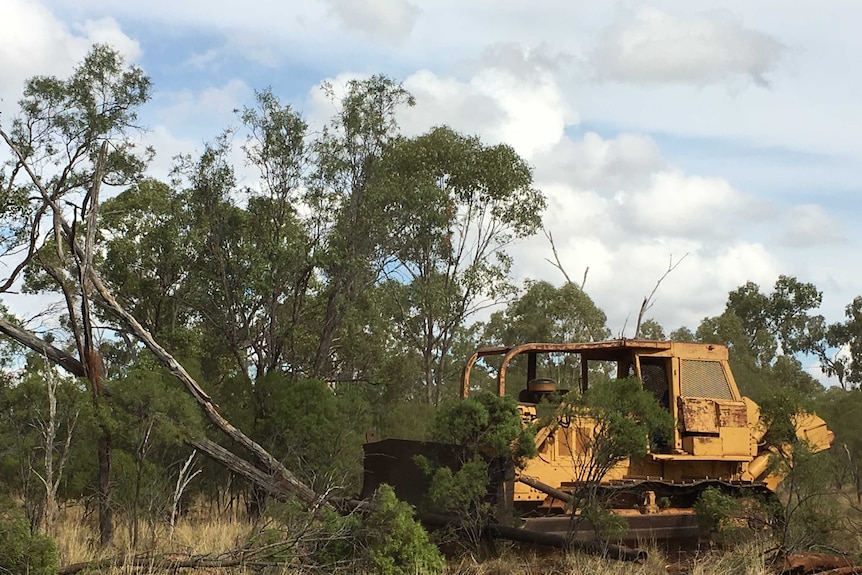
386,540
22,551
394,542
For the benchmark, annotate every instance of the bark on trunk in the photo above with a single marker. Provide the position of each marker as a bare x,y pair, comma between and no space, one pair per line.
106,512
280,487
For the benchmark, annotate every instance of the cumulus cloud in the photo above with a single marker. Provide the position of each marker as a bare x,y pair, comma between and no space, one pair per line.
652,46
512,96
617,207
447,100
494,103
212,106
809,225
639,193
594,162
387,20
677,205
208,59
35,42
108,31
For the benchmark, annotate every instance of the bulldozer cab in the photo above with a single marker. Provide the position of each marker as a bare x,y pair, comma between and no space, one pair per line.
692,381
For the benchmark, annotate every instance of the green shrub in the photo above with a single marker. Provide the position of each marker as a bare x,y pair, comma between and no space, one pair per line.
25,552
394,542
716,510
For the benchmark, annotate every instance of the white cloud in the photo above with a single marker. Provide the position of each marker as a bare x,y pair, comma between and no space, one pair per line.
808,225
35,42
108,31
212,107
446,100
207,59
676,205
535,114
617,208
495,104
206,114
515,73
512,97
639,194
597,163
387,20
653,46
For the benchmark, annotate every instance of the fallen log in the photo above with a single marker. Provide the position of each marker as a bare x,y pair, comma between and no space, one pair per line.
817,563
165,562
498,531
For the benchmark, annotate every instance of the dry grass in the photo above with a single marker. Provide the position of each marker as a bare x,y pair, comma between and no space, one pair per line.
195,535
77,539
747,559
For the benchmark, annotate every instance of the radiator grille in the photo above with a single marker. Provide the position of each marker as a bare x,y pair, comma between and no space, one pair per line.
703,379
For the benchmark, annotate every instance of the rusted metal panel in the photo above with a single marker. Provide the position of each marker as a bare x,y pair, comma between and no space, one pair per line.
732,414
698,415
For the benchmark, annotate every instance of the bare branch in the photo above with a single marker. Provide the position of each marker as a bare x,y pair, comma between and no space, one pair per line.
559,265
648,301
556,263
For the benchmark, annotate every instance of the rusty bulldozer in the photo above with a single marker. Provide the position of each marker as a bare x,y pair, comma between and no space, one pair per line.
717,439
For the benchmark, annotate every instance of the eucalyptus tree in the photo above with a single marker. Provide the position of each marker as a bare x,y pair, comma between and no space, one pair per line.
70,137
146,260
46,421
841,352
547,313
765,331
351,210
651,329
469,201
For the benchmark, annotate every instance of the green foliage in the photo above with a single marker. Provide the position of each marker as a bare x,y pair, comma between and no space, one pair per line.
405,420
394,542
471,202
778,411
24,411
148,258
24,552
716,510
651,329
58,132
626,420
337,541
843,411
485,424
812,516
546,313
150,408
489,430
386,540
682,334
606,524
846,336
316,432
763,331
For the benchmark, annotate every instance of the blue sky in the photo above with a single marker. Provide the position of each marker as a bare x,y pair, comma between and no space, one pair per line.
726,130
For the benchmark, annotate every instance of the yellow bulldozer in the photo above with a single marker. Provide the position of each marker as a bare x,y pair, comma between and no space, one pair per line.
717,437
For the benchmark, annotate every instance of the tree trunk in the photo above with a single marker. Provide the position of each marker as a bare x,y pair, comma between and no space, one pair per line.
106,512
